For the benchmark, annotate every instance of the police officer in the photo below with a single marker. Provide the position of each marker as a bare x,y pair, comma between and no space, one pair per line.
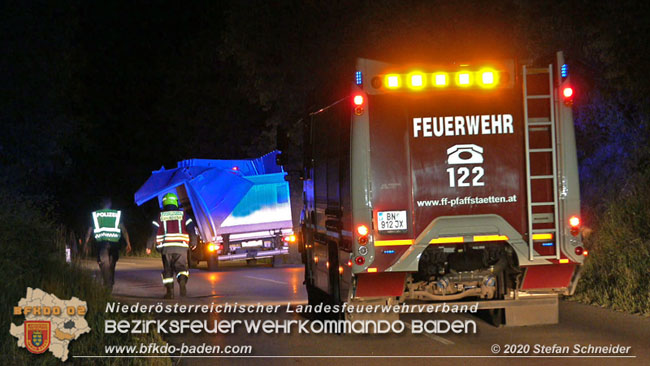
172,236
107,228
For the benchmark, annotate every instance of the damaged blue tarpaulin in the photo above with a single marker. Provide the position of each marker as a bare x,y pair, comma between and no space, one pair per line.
214,188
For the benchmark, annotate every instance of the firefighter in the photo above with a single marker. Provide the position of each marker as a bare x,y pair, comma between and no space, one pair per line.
107,228
172,237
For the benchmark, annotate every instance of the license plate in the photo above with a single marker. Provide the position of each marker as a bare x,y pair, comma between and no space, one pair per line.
251,243
392,221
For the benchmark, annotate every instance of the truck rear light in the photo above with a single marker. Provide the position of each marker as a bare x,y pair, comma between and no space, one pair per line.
327,265
349,263
585,252
360,261
363,250
579,250
574,223
212,247
567,93
340,270
357,101
315,259
362,230
290,239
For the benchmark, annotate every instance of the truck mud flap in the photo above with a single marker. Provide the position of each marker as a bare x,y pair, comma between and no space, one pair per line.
380,284
554,276
533,312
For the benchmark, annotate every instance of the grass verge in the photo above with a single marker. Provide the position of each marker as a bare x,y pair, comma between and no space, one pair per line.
33,257
617,271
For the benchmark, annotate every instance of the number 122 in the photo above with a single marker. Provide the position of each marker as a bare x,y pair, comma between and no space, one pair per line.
464,173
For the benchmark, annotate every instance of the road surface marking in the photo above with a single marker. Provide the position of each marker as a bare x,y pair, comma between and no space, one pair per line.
434,337
266,279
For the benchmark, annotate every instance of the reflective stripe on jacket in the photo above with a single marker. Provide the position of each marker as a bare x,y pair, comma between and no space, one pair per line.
106,225
172,231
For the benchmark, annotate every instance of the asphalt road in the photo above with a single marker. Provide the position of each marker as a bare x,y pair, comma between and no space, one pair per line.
138,280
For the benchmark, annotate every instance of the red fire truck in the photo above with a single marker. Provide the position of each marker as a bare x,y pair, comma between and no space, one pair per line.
445,182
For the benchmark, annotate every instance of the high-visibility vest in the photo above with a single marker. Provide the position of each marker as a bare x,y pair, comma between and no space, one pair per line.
107,225
172,231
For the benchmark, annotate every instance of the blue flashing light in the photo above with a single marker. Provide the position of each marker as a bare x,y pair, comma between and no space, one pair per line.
390,251
547,244
564,71
358,77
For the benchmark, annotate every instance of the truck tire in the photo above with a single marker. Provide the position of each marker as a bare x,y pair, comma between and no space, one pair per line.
496,317
334,279
213,262
312,295
317,296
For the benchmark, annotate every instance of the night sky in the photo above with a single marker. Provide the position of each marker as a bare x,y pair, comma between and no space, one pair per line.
97,94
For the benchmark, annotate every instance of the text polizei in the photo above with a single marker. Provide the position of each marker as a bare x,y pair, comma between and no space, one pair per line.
483,124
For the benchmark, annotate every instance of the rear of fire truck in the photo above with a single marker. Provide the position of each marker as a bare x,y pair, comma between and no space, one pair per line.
450,182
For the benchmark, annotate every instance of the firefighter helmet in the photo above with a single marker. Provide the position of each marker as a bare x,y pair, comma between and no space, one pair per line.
170,199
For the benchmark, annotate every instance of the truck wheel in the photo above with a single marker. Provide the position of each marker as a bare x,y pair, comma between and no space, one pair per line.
314,296
213,263
496,317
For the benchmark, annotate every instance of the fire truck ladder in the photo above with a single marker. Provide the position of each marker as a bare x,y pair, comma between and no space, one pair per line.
536,155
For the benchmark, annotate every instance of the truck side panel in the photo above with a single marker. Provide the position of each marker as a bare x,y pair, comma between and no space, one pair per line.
330,222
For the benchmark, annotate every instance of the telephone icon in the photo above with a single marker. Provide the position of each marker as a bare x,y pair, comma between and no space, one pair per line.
465,154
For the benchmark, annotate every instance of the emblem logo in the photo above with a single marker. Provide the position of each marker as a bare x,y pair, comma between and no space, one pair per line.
37,336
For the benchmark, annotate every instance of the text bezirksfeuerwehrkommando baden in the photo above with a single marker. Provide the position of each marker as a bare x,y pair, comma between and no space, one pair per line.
279,326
